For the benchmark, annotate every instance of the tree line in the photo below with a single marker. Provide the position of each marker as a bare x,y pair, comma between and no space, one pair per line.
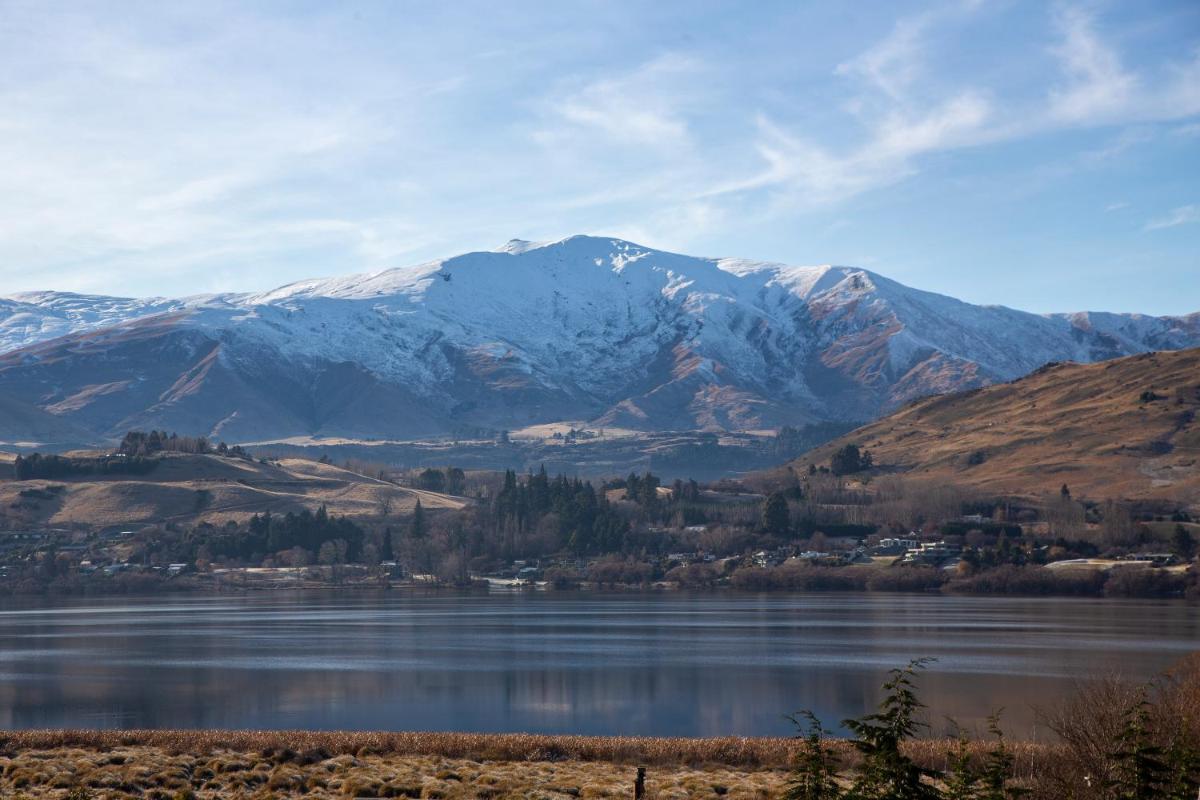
49,466
142,443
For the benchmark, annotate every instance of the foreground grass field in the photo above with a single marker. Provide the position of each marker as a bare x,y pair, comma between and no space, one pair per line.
153,772
217,764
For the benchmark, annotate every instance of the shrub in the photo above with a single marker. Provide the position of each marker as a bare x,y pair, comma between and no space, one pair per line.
1134,581
1031,580
907,579
694,576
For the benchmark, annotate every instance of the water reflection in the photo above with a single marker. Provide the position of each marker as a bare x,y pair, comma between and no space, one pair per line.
668,664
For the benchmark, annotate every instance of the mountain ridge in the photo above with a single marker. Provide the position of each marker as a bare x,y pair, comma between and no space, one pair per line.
1121,428
587,328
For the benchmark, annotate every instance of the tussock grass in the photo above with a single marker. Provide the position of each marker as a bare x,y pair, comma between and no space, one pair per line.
305,747
153,772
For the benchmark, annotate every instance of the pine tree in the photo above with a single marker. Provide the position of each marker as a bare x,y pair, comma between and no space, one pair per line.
1140,772
962,782
776,518
886,771
998,768
387,552
416,530
813,777
1183,544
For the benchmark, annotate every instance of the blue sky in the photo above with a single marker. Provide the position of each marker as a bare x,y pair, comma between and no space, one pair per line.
1041,156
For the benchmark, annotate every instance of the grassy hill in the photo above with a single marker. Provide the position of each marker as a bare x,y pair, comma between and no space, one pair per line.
194,488
1124,428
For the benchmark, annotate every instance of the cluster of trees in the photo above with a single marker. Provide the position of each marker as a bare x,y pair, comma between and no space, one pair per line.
141,443
791,442
37,465
849,460
579,517
885,769
642,489
451,480
268,534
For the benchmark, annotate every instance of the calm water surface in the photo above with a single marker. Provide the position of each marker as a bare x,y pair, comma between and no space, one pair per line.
664,664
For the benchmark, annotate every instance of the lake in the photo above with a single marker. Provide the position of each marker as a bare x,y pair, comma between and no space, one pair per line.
659,664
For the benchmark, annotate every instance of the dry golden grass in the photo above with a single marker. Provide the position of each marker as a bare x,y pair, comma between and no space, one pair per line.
1080,424
180,764
729,751
154,772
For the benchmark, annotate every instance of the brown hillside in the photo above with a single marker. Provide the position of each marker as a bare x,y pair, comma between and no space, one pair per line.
1086,425
194,488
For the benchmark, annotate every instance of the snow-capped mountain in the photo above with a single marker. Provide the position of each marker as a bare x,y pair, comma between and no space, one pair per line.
581,329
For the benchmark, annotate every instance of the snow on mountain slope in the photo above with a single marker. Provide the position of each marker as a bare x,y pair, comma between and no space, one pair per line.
584,328
33,317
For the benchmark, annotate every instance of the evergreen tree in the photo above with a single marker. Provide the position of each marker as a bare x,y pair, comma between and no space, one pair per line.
1183,544
962,782
813,777
387,552
776,520
1140,772
887,773
849,460
998,768
417,528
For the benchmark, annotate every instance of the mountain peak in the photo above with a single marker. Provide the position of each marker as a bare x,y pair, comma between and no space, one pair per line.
518,246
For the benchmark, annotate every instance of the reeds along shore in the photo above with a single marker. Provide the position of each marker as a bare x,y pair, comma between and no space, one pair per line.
747,753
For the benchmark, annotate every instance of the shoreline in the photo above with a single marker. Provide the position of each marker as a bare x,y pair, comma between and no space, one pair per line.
250,588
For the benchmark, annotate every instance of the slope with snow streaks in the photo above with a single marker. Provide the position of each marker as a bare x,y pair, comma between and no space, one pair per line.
584,328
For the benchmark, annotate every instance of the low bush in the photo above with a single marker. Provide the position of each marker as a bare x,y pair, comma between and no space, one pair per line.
1031,580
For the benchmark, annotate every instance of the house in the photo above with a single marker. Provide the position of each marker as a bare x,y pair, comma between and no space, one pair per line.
896,546
932,553
859,556
11,539
906,543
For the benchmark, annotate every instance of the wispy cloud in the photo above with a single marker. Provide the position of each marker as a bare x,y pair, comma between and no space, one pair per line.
1095,86
1184,215
894,63
645,106
1095,91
